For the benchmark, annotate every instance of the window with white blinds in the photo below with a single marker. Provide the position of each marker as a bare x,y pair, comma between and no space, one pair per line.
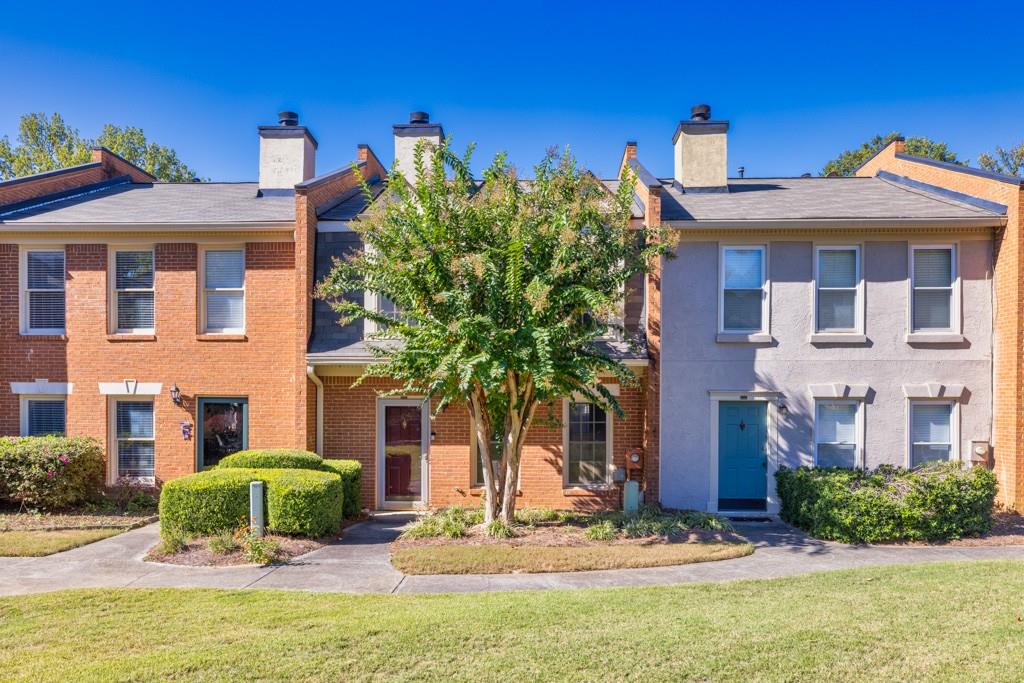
836,434
45,417
44,291
224,290
933,274
931,432
587,441
134,291
838,289
743,289
136,445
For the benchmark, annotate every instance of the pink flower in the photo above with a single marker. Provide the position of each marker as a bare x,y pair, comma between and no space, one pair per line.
50,473
63,459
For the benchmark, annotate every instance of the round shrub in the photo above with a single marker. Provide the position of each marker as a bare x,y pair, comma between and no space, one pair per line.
50,472
350,471
934,503
300,502
273,458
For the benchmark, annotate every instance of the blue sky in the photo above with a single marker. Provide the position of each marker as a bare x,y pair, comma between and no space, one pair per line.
798,81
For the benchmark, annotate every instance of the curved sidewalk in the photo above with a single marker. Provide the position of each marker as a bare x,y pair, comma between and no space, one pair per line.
359,564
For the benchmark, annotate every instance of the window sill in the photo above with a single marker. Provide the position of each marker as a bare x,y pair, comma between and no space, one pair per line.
217,337
838,338
743,338
59,336
934,338
574,490
129,337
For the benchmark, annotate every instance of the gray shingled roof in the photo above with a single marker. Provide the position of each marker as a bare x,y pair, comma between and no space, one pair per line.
781,199
351,205
184,203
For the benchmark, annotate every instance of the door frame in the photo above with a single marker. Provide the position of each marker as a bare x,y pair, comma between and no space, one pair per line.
382,503
774,402
200,400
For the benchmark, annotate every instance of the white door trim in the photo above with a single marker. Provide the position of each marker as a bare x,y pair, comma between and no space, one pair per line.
774,401
382,504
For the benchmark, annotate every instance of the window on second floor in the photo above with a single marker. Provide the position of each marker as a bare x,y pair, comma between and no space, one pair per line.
933,288
838,290
743,290
134,296
223,299
42,305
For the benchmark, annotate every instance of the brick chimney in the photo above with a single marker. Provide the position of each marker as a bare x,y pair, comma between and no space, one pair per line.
701,152
287,154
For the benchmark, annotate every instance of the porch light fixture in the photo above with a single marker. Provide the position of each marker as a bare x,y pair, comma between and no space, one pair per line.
175,395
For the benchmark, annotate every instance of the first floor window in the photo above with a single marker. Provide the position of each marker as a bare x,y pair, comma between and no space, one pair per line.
743,289
45,417
44,291
931,432
478,459
136,445
134,295
224,290
587,441
933,273
836,432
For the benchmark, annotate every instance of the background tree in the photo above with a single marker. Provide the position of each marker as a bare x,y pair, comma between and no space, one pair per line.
502,289
1005,161
847,163
48,144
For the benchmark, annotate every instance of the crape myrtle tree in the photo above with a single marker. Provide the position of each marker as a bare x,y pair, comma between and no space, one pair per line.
502,290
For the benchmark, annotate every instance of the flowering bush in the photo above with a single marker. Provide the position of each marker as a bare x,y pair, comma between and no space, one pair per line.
50,472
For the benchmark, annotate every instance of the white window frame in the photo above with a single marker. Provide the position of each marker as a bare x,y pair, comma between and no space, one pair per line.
112,279
609,446
955,317
112,476
859,312
23,290
26,399
858,456
954,427
765,290
203,291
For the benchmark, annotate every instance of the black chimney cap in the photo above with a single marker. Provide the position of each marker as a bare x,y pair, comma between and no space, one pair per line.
419,117
700,112
288,118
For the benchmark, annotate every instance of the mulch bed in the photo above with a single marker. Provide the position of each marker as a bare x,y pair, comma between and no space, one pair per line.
25,521
561,535
197,552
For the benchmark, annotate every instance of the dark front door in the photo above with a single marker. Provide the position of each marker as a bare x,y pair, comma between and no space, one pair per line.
223,429
742,455
403,453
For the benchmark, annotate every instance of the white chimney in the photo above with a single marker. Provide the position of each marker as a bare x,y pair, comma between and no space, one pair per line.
287,153
700,152
406,137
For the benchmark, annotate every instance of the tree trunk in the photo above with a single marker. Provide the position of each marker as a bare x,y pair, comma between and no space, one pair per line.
522,405
484,438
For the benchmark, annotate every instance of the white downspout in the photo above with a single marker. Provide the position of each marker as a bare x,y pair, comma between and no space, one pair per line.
311,374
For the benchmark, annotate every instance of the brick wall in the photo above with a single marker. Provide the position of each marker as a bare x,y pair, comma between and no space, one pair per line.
104,166
254,366
350,419
1008,427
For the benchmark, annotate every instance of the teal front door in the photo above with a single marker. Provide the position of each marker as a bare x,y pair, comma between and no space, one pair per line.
742,455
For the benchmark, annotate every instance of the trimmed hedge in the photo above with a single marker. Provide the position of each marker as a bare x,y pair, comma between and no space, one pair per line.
50,472
300,502
351,471
934,503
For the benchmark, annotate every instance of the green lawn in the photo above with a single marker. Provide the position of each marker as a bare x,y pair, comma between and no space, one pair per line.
502,559
39,543
955,622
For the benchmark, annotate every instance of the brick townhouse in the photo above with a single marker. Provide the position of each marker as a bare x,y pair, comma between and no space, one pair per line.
844,321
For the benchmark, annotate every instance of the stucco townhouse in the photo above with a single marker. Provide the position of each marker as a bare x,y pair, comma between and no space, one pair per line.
843,321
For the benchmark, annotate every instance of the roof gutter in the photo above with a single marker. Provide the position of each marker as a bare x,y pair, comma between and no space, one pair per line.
841,223
239,226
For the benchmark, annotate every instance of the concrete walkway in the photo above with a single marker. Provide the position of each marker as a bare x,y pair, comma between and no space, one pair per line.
359,564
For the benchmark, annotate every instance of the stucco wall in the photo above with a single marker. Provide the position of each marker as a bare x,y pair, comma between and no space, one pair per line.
693,363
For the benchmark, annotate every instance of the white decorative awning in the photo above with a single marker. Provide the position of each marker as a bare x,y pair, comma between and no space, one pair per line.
853,392
42,386
130,387
953,392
